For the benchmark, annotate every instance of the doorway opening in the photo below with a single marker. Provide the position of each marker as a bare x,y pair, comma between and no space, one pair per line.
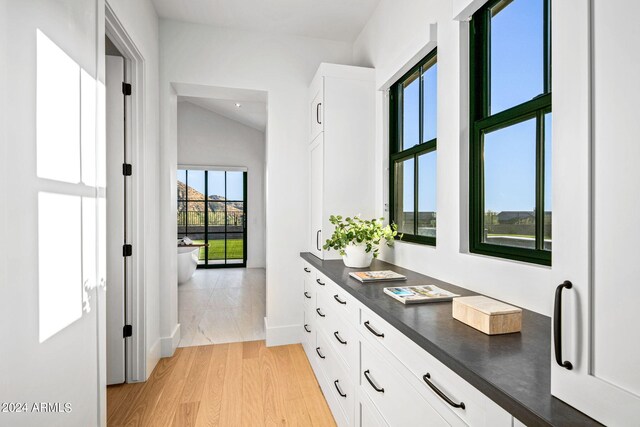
212,212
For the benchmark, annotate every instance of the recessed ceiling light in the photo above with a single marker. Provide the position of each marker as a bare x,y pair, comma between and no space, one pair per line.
238,105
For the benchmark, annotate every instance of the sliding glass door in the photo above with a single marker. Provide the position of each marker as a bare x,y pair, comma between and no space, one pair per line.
218,220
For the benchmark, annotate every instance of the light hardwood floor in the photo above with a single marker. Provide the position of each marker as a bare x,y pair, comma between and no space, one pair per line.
236,384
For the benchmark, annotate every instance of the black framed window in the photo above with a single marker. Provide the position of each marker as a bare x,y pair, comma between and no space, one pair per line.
510,147
218,220
412,152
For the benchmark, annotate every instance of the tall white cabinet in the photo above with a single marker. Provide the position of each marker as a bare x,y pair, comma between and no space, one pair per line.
341,149
596,152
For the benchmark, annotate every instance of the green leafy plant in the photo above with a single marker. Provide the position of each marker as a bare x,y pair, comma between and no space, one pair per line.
359,231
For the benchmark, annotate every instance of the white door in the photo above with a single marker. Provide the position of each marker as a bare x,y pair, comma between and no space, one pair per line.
596,178
115,138
316,170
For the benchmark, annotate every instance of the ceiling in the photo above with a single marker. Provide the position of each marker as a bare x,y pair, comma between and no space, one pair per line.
339,20
250,113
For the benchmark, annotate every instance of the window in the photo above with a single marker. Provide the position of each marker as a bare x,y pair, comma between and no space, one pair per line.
510,152
217,222
412,144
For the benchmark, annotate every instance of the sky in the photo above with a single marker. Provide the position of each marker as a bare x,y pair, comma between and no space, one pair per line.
516,76
216,184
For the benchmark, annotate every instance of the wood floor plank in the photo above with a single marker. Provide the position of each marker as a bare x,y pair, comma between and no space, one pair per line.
234,384
145,402
314,400
209,410
231,409
273,398
253,410
118,395
251,349
186,414
165,411
193,387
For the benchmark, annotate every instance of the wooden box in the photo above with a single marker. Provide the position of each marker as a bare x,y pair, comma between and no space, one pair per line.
487,315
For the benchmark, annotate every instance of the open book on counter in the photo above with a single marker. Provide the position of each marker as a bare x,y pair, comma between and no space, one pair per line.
419,294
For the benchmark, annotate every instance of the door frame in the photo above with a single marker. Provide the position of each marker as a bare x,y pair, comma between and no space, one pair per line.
135,293
245,184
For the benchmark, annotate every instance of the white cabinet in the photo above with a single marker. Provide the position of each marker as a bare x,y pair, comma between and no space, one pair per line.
341,149
317,115
356,354
595,242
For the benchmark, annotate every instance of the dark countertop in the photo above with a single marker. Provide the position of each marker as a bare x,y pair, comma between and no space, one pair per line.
513,370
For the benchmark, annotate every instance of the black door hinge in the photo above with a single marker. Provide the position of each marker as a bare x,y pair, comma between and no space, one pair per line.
126,88
127,250
127,169
127,331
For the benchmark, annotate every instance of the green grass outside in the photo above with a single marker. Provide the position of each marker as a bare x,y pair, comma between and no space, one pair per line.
235,249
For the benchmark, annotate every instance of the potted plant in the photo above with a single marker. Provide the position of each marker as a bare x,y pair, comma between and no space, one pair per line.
358,240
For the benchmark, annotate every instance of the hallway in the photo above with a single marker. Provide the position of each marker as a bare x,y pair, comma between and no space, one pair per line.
233,384
221,306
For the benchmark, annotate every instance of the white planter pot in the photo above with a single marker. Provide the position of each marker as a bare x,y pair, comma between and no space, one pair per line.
356,257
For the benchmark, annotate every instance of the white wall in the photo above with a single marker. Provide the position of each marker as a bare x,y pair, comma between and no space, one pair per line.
140,20
283,66
209,139
386,43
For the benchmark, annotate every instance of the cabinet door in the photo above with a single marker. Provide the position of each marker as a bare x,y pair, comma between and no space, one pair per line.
596,200
317,114
316,169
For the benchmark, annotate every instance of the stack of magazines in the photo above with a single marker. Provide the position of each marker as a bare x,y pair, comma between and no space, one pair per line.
419,294
377,276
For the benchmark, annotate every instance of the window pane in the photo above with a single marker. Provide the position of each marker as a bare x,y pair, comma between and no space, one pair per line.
216,248
235,217
404,198
517,52
182,188
195,180
509,185
195,217
427,194
216,185
429,100
411,111
235,185
235,248
547,182
216,217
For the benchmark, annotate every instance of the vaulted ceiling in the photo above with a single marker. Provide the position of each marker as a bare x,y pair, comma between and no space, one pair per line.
340,20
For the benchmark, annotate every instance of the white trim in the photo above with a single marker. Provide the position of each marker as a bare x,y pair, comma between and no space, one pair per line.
282,335
152,359
463,10
136,353
214,168
169,344
385,77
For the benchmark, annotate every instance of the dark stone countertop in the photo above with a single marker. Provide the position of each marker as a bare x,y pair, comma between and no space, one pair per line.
513,370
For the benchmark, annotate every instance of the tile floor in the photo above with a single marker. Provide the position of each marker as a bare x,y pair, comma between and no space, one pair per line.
222,305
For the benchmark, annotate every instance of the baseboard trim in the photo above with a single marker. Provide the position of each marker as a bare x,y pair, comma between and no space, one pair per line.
153,357
281,335
169,344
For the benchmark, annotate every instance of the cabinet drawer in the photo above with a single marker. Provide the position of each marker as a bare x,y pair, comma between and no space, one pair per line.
432,379
336,298
338,379
398,402
367,414
342,335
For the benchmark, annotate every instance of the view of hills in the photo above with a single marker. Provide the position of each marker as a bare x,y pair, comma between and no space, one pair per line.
189,193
